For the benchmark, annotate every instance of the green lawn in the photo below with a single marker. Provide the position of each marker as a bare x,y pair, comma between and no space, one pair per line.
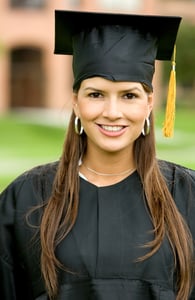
24,143
180,148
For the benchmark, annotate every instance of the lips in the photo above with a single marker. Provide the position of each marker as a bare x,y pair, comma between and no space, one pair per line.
112,130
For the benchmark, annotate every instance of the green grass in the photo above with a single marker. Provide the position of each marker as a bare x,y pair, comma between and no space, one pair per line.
25,144
180,148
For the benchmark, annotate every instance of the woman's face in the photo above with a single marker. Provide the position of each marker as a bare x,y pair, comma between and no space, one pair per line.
112,113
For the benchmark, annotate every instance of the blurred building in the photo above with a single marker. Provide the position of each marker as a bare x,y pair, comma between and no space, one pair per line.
30,74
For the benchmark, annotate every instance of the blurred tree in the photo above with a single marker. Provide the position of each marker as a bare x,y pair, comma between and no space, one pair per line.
185,64
186,56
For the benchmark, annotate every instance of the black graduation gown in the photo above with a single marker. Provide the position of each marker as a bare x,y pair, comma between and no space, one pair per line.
102,248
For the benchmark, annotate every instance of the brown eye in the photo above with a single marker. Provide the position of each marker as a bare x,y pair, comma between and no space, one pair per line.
95,95
130,96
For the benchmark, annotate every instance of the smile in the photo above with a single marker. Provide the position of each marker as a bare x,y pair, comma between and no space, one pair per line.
112,128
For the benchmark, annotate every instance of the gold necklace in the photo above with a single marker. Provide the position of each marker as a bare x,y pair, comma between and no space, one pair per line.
108,174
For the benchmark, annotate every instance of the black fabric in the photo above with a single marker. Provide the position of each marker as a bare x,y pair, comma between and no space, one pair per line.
112,224
118,47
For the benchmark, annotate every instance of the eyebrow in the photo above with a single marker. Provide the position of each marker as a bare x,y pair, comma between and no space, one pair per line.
92,88
133,89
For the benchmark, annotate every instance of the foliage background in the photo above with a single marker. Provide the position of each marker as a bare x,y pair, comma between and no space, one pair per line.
185,66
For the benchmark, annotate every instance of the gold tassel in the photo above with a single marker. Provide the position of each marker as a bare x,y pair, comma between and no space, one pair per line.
168,127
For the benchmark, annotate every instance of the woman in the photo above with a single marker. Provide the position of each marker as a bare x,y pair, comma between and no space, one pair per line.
109,220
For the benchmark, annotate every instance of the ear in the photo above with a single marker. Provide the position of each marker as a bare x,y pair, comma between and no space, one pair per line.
75,103
150,103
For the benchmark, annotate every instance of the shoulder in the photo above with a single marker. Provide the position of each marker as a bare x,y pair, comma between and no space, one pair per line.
181,183
175,171
35,183
38,174
180,179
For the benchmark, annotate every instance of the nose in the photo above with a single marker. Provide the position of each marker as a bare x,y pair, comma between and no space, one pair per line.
112,109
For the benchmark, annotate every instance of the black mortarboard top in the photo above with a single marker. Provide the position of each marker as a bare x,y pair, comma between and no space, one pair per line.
116,46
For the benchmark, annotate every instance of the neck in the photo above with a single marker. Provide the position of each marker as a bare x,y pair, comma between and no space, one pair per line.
104,171
105,161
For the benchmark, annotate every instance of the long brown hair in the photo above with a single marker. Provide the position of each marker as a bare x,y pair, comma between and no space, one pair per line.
60,213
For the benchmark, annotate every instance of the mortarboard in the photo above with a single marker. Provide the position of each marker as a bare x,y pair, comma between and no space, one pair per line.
118,46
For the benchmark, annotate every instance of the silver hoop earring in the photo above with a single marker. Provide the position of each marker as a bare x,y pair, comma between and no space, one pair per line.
78,127
146,128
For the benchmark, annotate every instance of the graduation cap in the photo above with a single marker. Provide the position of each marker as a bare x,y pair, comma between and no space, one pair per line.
119,47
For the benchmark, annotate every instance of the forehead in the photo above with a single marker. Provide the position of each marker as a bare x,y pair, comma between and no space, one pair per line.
102,83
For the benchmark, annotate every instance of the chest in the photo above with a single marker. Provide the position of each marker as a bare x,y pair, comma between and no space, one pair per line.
108,238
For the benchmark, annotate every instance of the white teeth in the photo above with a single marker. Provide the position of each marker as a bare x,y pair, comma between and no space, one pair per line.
112,128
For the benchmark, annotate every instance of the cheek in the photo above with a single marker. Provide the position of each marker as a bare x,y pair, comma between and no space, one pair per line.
85,113
88,112
138,113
